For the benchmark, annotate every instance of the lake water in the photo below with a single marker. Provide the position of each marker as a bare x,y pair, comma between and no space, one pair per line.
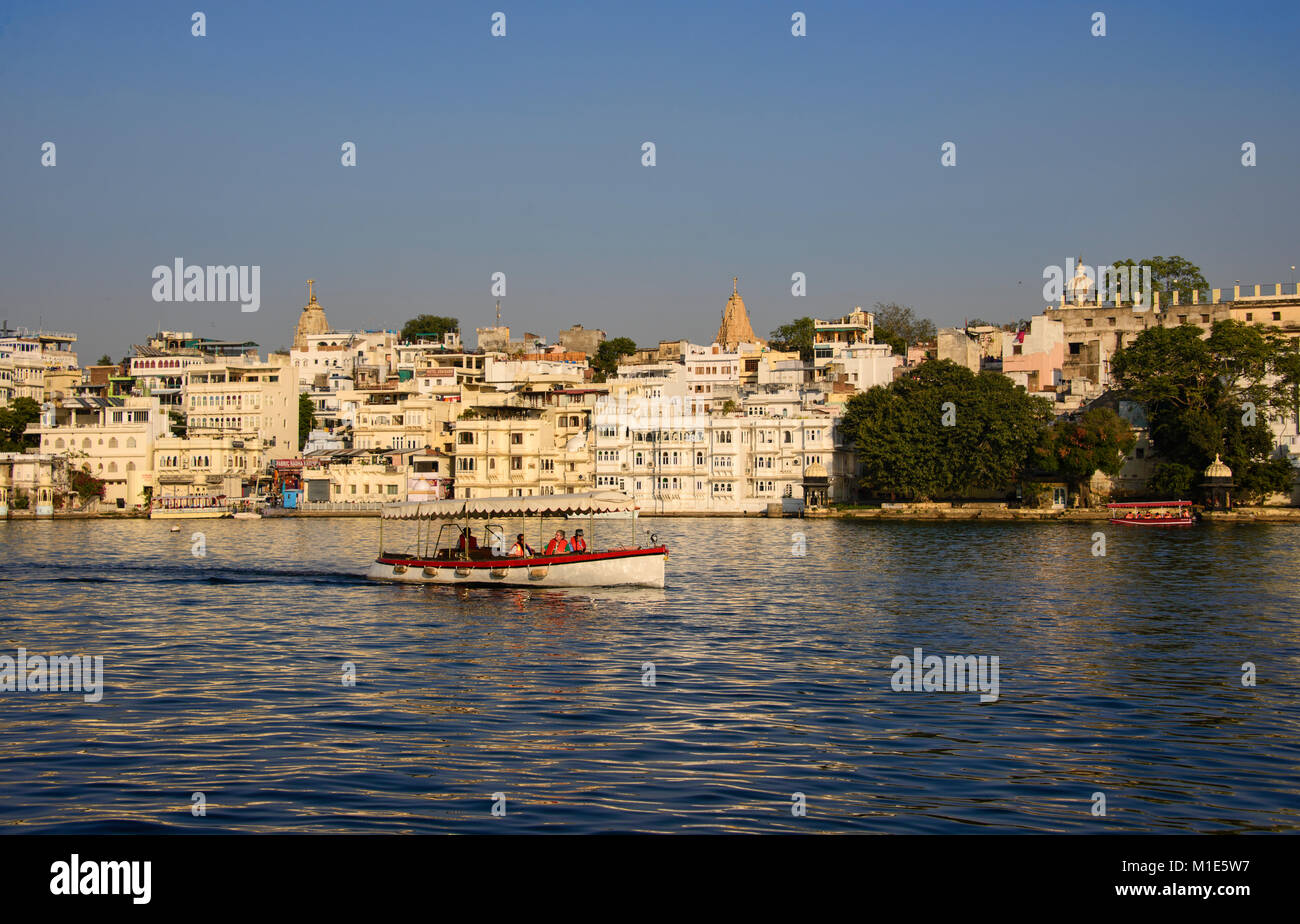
223,674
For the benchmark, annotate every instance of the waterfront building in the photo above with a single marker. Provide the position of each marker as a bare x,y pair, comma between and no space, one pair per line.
675,462
539,443
215,464
33,481
354,476
247,400
111,438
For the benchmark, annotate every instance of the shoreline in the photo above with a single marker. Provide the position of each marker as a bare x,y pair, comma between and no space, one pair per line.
1289,515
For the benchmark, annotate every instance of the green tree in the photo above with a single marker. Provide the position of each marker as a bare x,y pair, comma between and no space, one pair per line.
1214,395
306,419
13,424
85,485
1170,273
899,326
1074,448
905,449
105,360
797,335
429,326
608,354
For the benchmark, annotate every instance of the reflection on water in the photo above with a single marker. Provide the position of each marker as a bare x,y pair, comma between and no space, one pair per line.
770,676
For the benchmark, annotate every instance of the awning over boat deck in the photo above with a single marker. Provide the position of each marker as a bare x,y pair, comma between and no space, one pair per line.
542,505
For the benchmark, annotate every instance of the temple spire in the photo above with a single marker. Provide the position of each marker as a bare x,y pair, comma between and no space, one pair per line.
311,295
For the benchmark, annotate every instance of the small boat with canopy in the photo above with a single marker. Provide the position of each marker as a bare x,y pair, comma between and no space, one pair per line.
1153,513
453,555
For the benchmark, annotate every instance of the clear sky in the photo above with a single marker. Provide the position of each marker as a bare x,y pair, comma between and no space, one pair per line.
522,155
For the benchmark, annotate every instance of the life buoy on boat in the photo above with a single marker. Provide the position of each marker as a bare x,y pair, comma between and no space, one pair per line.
399,569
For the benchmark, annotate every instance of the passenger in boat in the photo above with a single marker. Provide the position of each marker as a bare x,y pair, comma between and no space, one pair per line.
578,544
558,545
521,549
467,542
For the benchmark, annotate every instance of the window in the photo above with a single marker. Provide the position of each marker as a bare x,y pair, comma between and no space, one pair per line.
1277,315
1075,348
517,464
1250,316
1087,322
1017,350
1110,322
1205,319
392,489
464,439
516,439
464,464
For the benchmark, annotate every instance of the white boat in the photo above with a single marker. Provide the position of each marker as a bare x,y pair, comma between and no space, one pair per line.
248,515
196,506
444,559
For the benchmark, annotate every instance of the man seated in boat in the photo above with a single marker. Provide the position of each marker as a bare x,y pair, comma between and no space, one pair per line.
467,542
558,545
579,544
521,549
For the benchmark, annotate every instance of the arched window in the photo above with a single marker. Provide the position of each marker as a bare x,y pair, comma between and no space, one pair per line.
58,444
130,466
130,442
112,466
85,444
112,442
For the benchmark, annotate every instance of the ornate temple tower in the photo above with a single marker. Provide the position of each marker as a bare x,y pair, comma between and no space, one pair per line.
311,321
735,321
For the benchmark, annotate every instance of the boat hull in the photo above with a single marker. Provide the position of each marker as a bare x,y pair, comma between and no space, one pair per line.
635,567
1154,521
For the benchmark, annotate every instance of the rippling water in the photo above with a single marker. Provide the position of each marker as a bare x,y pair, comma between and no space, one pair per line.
1118,674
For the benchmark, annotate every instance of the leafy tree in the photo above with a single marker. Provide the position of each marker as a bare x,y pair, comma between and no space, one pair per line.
1074,449
428,325
105,360
1214,395
1171,480
797,335
176,422
729,407
905,450
899,326
306,419
13,422
1170,273
608,354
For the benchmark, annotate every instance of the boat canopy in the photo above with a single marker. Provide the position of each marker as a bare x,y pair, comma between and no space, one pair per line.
540,505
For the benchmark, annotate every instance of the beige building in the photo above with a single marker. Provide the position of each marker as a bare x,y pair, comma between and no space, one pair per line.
542,447
208,465
111,438
25,357
247,400
32,481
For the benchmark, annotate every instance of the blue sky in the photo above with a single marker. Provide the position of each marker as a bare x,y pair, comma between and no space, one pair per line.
522,155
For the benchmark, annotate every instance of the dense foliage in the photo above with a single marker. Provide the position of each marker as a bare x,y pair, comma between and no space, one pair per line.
608,354
1170,273
1073,448
13,422
306,419
429,326
795,336
899,326
1213,395
906,451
